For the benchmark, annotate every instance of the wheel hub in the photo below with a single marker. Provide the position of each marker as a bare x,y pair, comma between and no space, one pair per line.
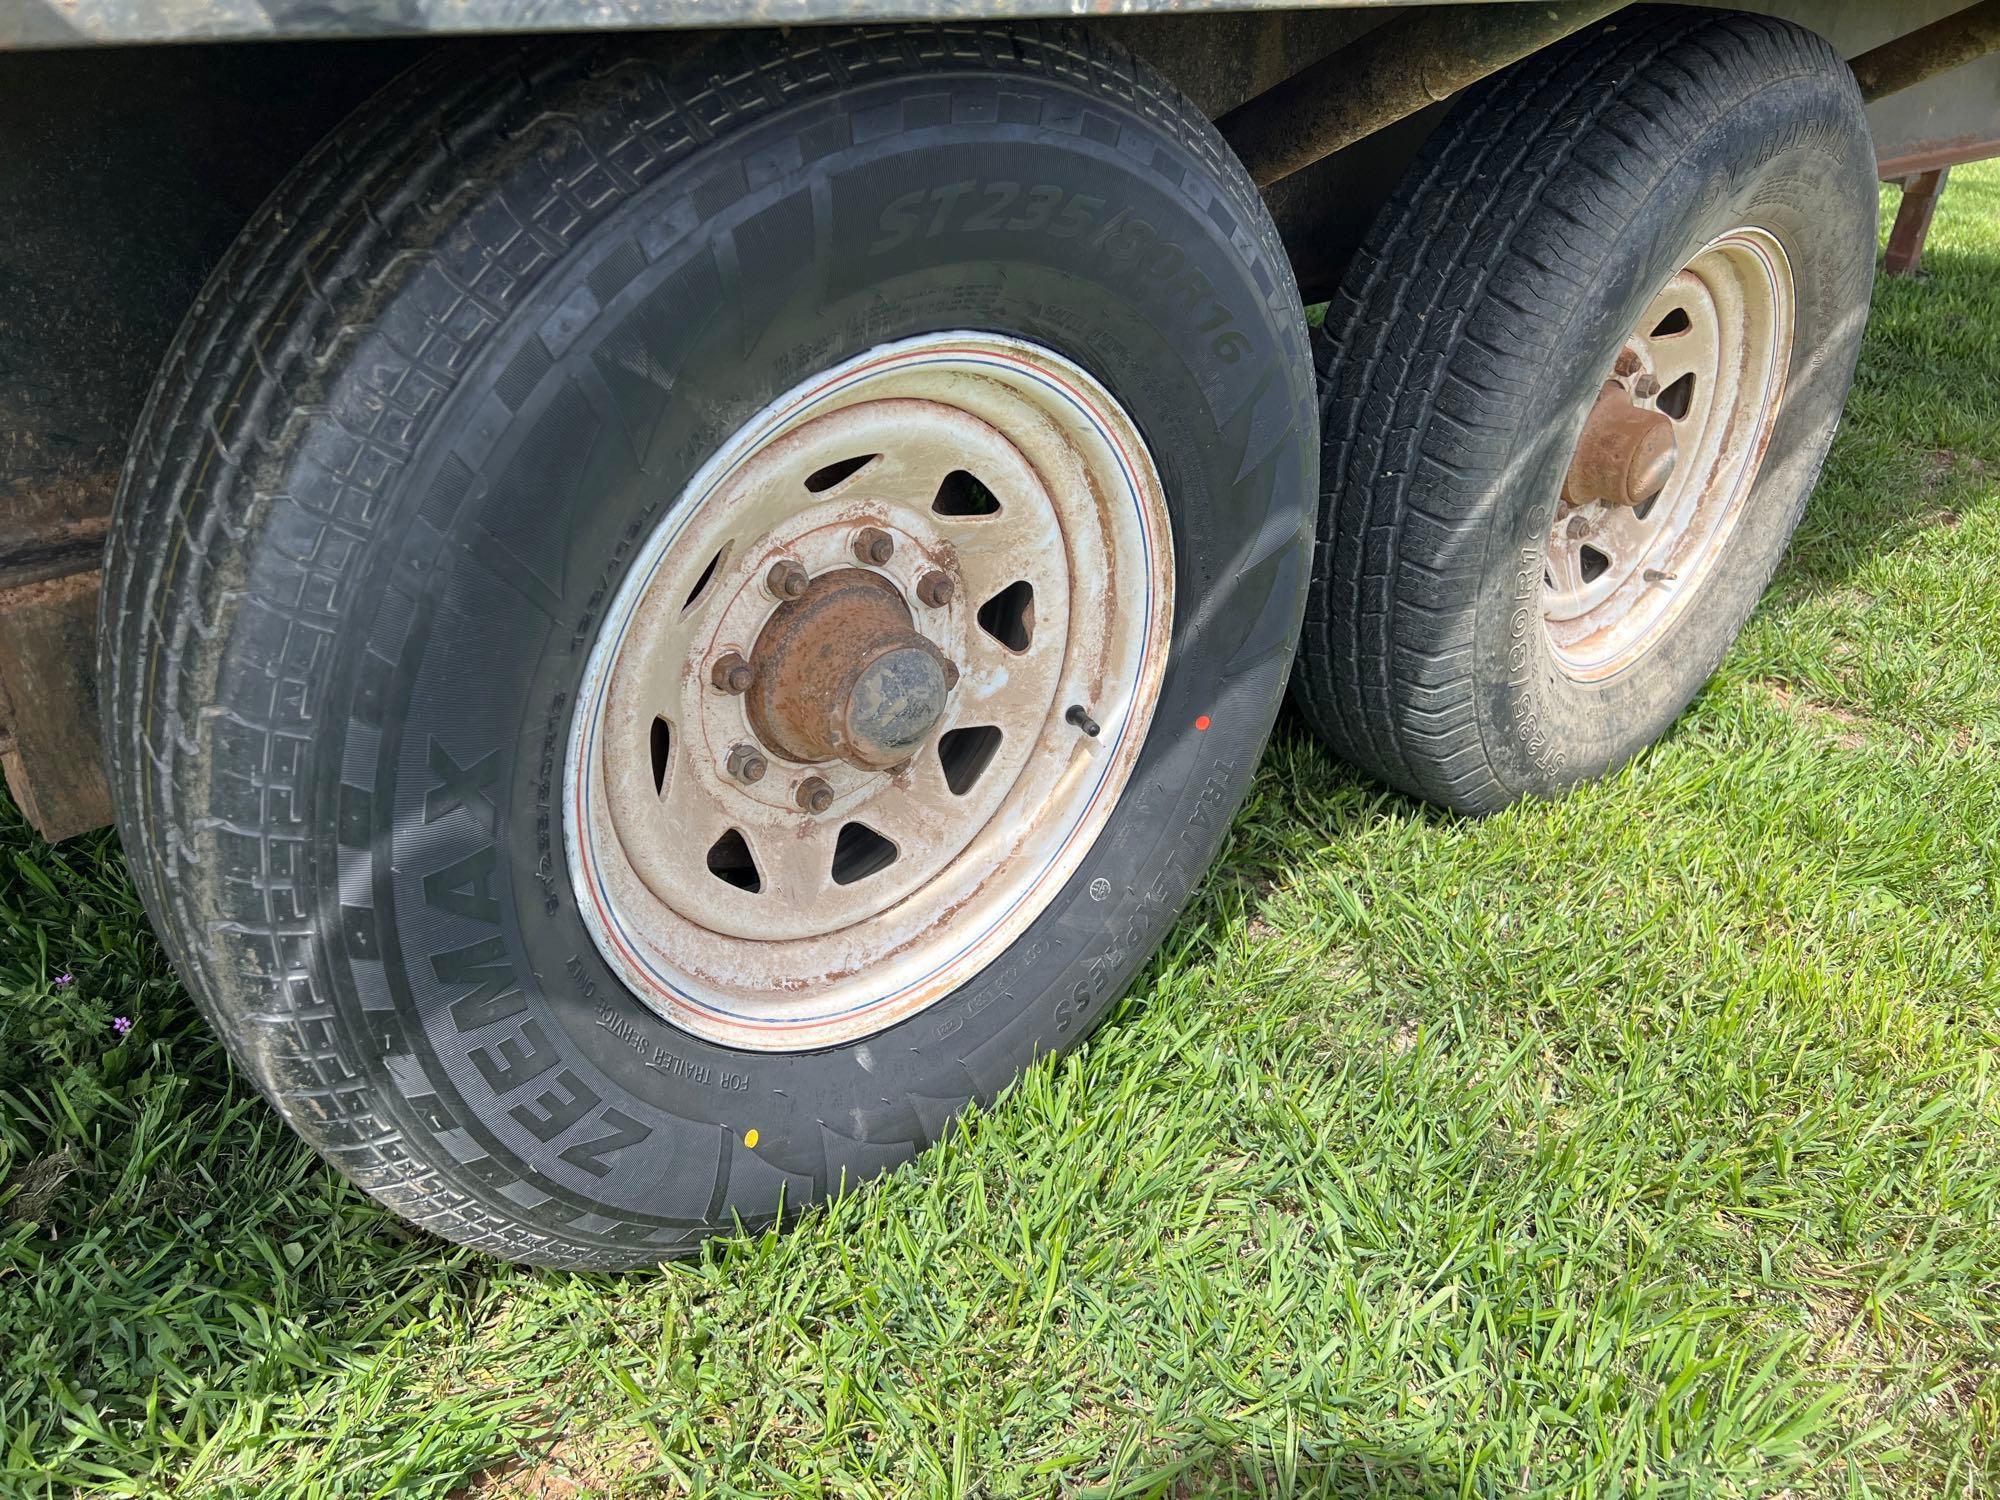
1626,455
840,674
869,692
1668,454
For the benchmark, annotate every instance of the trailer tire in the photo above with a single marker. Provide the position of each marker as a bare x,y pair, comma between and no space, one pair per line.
1483,625
479,364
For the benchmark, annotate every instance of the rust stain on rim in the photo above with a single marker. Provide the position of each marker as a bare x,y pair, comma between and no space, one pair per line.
1060,591
1669,455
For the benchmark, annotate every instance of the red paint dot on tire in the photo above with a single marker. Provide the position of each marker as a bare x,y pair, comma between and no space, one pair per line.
1201,721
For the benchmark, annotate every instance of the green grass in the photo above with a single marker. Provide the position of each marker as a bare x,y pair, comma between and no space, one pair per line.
1643,1144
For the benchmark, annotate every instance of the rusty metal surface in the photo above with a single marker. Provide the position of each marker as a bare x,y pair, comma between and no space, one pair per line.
1388,75
1949,117
1949,42
1932,156
1913,223
1626,454
54,525
1420,58
841,675
48,704
1322,211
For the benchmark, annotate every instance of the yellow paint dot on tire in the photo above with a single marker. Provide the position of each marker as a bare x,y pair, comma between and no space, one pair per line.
750,1138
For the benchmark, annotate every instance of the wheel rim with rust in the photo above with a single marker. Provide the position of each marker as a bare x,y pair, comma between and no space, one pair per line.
869,693
1668,455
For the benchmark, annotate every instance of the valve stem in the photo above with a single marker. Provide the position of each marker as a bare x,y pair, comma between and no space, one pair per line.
1080,717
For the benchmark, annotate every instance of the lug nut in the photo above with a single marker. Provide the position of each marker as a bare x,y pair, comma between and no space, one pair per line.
732,674
935,589
746,764
1645,388
814,795
873,546
786,579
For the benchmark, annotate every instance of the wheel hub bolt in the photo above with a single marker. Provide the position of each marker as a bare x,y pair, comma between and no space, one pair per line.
787,580
814,795
935,589
873,546
732,674
746,764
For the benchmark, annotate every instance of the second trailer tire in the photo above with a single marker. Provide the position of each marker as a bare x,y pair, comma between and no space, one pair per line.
679,613
1577,385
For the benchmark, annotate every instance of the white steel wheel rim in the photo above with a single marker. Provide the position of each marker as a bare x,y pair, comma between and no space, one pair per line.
1061,599
1710,355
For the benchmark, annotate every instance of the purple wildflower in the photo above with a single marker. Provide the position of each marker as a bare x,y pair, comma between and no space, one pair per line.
64,980
121,1024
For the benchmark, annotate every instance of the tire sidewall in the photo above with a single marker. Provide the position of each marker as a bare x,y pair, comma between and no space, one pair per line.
465,985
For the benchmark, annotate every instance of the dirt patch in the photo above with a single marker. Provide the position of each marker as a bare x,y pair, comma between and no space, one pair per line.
1849,727
1943,464
519,1478
1853,600
570,1467
1938,466
1837,1317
